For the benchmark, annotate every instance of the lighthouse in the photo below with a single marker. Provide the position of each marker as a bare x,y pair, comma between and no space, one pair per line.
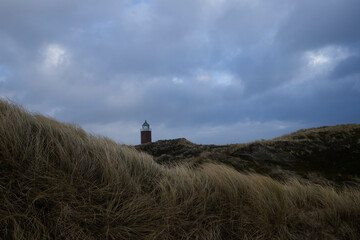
145,133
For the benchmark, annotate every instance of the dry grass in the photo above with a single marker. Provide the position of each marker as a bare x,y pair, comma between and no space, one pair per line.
57,182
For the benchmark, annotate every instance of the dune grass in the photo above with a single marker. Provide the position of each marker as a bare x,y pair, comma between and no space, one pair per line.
58,182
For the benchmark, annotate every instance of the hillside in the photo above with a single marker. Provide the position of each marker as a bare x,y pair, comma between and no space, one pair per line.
330,152
58,182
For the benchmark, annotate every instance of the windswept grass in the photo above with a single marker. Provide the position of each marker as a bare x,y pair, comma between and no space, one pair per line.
57,182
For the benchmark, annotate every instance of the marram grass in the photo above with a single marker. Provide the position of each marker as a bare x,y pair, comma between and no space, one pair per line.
58,182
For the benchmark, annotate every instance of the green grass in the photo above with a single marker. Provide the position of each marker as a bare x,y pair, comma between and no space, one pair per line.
58,182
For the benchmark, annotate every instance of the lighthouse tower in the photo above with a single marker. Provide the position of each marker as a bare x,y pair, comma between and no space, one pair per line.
145,133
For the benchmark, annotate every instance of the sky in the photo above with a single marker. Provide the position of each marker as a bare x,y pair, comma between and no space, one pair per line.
211,71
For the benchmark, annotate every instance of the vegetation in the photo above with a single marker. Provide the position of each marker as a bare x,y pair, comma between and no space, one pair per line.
57,182
330,153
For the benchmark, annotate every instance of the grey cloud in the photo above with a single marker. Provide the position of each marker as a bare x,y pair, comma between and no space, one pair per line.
186,66
348,67
314,24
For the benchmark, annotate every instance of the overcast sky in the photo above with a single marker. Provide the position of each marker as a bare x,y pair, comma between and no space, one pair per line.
212,71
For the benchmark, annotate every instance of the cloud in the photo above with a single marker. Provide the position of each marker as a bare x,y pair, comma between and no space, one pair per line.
188,66
215,78
313,24
55,56
177,80
348,67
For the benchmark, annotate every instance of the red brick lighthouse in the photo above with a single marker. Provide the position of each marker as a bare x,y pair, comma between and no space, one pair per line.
145,133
